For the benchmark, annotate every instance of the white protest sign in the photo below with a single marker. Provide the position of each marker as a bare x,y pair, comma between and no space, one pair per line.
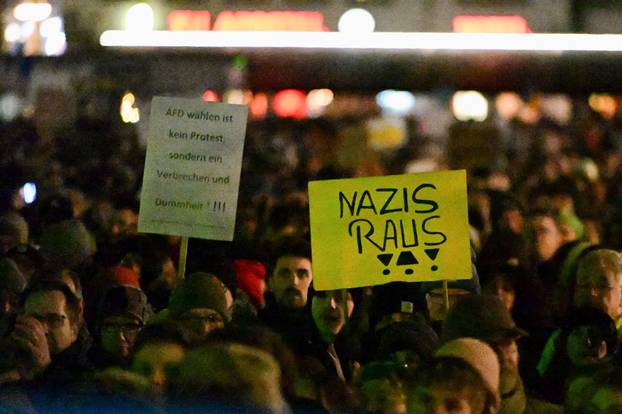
192,170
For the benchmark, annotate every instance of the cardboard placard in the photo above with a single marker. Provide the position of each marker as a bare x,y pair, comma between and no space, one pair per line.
192,170
376,230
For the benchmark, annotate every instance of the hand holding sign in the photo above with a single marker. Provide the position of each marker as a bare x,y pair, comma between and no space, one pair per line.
376,230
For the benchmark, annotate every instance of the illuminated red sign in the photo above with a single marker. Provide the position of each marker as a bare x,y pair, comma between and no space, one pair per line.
300,21
490,24
178,20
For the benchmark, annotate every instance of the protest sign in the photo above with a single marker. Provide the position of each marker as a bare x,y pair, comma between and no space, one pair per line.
192,170
376,230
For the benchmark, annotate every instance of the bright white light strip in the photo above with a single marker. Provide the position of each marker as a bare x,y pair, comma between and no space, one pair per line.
34,12
377,40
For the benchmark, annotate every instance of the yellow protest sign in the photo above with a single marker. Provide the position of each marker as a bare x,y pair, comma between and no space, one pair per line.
376,230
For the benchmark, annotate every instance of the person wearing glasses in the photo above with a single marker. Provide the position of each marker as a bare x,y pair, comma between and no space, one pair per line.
599,283
45,349
122,314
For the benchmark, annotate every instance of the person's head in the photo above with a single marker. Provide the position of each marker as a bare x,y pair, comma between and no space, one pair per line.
291,274
121,315
546,233
599,281
408,343
66,244
463,378
382,388
54,305
232,375
486,318
158,350
200,304
328,309
13,231
501,285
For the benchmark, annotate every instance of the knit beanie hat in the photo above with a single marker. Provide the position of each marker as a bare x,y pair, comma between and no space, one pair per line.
122,275
67,243
199,290
483,317
125,300
249,275
413,335
14,226
479,356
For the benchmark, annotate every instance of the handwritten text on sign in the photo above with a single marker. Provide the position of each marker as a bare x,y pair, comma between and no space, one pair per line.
371,231
192,169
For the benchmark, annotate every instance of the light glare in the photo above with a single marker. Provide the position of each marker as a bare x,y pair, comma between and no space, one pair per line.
129,114
234,96
56,44
139,18
12,33
396,102
28,192
604,104
32,12
469,105
51,27
544,42
508,105
356,21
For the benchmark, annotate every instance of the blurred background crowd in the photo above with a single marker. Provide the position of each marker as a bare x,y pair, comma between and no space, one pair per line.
94,316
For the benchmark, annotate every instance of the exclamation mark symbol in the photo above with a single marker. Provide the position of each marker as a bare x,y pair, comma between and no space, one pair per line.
219,206
385,259
432,253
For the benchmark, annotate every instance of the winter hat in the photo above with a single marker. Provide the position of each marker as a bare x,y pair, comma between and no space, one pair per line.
479,356
249,275
199,290
480,316
122,275
67,243
10,276
412,335
125,300
14,226
233,374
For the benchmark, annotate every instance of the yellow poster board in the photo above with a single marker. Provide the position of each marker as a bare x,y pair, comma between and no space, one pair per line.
375,230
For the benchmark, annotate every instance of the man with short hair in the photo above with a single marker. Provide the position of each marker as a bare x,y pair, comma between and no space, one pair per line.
547,234
46,343
289,281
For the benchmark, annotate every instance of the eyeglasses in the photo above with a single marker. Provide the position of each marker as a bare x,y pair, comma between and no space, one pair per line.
125,329
52,320
209,318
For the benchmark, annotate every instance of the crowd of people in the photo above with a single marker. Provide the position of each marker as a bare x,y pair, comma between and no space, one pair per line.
94,316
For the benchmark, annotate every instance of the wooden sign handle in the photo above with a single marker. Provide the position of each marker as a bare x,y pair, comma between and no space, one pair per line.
446,292
183,254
